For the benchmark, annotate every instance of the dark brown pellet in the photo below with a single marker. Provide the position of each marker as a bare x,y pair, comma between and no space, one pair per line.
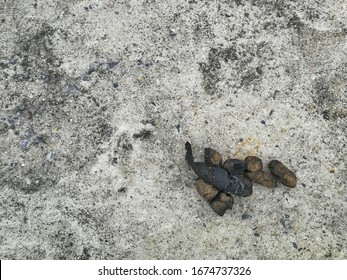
283,173
222,203
253,164
206,190
213,157
263,178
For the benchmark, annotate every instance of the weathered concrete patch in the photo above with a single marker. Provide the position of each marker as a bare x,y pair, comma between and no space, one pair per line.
98,99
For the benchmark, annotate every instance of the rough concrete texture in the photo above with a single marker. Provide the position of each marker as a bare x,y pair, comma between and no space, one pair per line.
99,97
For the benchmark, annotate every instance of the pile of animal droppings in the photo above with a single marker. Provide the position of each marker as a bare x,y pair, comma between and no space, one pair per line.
218,181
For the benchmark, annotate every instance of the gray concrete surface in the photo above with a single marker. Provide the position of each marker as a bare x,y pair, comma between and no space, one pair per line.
99,97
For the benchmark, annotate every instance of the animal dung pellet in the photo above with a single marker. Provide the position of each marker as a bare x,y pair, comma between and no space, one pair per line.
213,157
240,186
206,190
253,164
234,166
283,173
222,203
263,178
213,175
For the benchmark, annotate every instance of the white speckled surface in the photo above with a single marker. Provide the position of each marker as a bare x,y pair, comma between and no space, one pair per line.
99,97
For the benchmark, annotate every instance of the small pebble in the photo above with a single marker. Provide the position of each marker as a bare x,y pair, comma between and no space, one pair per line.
111,64
245,216
25,144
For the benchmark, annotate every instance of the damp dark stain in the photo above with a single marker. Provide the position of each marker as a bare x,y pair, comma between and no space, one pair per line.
328,98
143,134
295,23
85,254
210,70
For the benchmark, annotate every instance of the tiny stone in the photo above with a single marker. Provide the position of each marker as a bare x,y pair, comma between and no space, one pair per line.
245,216
172,32
25,144
111,64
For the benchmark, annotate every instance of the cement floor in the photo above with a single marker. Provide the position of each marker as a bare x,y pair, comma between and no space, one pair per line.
99,97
